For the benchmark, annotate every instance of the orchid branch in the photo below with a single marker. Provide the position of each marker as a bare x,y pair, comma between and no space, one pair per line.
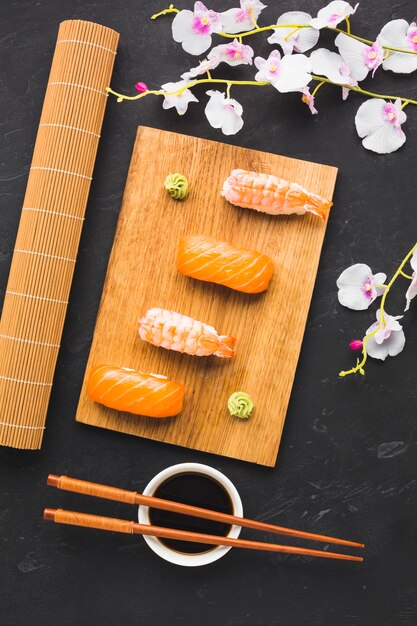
261,29
406,275
252,83
317,87
347,25
178,92
365,92
170,9
287,73
360,365
369,42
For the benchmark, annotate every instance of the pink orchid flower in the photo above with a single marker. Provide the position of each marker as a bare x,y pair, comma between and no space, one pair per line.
290,73
308,99
333,14
193,29
412,289
359,57
400,34
389,340
359,287
378,123
234,53
224,113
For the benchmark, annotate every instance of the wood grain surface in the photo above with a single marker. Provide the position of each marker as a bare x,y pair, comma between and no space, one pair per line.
142,273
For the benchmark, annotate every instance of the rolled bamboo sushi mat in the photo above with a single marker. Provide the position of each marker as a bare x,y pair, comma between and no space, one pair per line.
50,227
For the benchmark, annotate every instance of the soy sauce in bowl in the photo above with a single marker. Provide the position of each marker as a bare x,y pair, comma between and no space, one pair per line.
198,490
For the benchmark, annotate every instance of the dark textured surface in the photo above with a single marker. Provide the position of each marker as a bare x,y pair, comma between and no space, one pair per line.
347,462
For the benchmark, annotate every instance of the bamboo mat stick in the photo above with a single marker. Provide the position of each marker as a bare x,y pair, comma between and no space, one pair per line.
50,227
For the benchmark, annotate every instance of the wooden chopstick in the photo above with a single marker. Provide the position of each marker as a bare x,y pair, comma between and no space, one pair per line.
61,516
132,497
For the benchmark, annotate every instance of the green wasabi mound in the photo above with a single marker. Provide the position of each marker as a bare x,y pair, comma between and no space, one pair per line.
240,404
177,186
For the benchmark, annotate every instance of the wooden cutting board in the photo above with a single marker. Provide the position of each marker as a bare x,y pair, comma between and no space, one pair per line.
142,274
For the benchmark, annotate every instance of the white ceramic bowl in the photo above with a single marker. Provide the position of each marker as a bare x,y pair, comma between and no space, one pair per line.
182,558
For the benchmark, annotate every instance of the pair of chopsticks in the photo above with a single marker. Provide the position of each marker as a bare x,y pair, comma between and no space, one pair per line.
61,516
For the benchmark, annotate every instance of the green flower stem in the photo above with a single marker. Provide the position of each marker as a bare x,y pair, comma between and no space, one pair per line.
262,29
347,26
360,365
369,42
253,83
178,92
170,9
406,275
364,91
291,33
321,83
296,27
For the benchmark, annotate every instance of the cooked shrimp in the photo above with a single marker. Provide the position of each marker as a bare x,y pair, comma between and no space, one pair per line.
269,194
174,331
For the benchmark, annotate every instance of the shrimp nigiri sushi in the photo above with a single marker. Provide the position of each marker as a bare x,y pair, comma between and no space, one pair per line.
174,331
129,390
269,194
218,262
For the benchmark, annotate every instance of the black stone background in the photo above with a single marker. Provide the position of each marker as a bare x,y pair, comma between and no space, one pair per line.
347,463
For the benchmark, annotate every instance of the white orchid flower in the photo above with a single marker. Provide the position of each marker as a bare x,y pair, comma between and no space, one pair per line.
412,290
332,66
400,34
193,29
291,39
205,66
224,113
389,340
333,14
234,53
360,57
290,73
244,18
308,99
179,102
378,123
359,287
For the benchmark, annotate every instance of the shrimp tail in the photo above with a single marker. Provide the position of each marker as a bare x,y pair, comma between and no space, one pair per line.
225,347
317,205
309,202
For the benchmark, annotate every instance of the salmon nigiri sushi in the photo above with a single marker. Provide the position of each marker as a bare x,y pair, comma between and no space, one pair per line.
128,390
218,262
173,331
269,194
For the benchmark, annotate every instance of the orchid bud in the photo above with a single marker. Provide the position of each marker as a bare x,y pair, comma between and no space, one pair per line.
356,344
141,87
